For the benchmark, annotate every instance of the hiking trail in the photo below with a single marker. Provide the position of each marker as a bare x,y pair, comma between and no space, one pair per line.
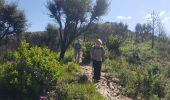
109,88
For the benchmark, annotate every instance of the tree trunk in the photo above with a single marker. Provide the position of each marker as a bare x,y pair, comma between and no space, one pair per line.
136,37
18,37
153,41
62,51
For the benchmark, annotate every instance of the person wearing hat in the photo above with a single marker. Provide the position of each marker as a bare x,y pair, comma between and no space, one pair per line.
77,48
97,54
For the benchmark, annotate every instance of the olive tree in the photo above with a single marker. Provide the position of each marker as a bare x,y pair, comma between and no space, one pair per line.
12,20
52,37
143,30
74,17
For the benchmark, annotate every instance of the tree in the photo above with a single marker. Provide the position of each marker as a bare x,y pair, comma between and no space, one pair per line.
104,30
74,17
12,20
1,3
52,37
142,30
120,29
147,31
138,31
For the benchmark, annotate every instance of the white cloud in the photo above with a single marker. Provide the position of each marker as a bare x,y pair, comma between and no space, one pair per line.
166,23
124,17
162,13
166,19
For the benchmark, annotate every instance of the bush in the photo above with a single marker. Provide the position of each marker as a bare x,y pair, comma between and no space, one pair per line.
167,72
86,52
145,83
34,71
31,72
167,96
73,85
69,73
69,56
113,44
114,66
134,58
78,92
153,83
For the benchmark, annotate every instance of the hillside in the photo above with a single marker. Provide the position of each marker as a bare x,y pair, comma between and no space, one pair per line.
138,72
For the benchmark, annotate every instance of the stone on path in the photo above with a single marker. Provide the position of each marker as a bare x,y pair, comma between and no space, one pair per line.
109,88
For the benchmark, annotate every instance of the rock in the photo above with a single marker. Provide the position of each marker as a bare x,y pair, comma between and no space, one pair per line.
114,94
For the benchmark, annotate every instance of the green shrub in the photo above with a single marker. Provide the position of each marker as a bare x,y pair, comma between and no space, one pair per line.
168,73
134,58
78,92
69,56
113,44
153,84
4,57
34,71
131,80
167,96
31,73
69,73
86,52
142,82
114,66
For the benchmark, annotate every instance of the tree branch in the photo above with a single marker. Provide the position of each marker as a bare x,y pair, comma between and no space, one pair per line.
58,18
5,33
85,29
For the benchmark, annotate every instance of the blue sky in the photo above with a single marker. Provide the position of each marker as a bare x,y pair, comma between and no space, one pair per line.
127,11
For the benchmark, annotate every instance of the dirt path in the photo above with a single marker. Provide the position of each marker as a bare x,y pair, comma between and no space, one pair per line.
109,88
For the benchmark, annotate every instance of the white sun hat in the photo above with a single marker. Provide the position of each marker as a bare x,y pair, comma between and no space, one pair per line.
100,41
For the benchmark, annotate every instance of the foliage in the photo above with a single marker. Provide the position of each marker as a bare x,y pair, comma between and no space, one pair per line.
113,44
120,29
12,20
146,78
71,86
79,91
77,16
134,58
143,32
35,38
69,73
114,65
70,55
34,71
167,97
153,83
52,37
104,30
139,53
47,38
143,83
86,51
167,70
31,72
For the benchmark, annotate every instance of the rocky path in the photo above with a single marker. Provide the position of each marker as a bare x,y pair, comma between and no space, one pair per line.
109,88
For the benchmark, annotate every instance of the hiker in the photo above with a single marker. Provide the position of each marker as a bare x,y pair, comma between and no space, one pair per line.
97,54
77,48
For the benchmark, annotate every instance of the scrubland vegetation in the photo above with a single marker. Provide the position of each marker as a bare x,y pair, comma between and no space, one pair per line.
34,64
